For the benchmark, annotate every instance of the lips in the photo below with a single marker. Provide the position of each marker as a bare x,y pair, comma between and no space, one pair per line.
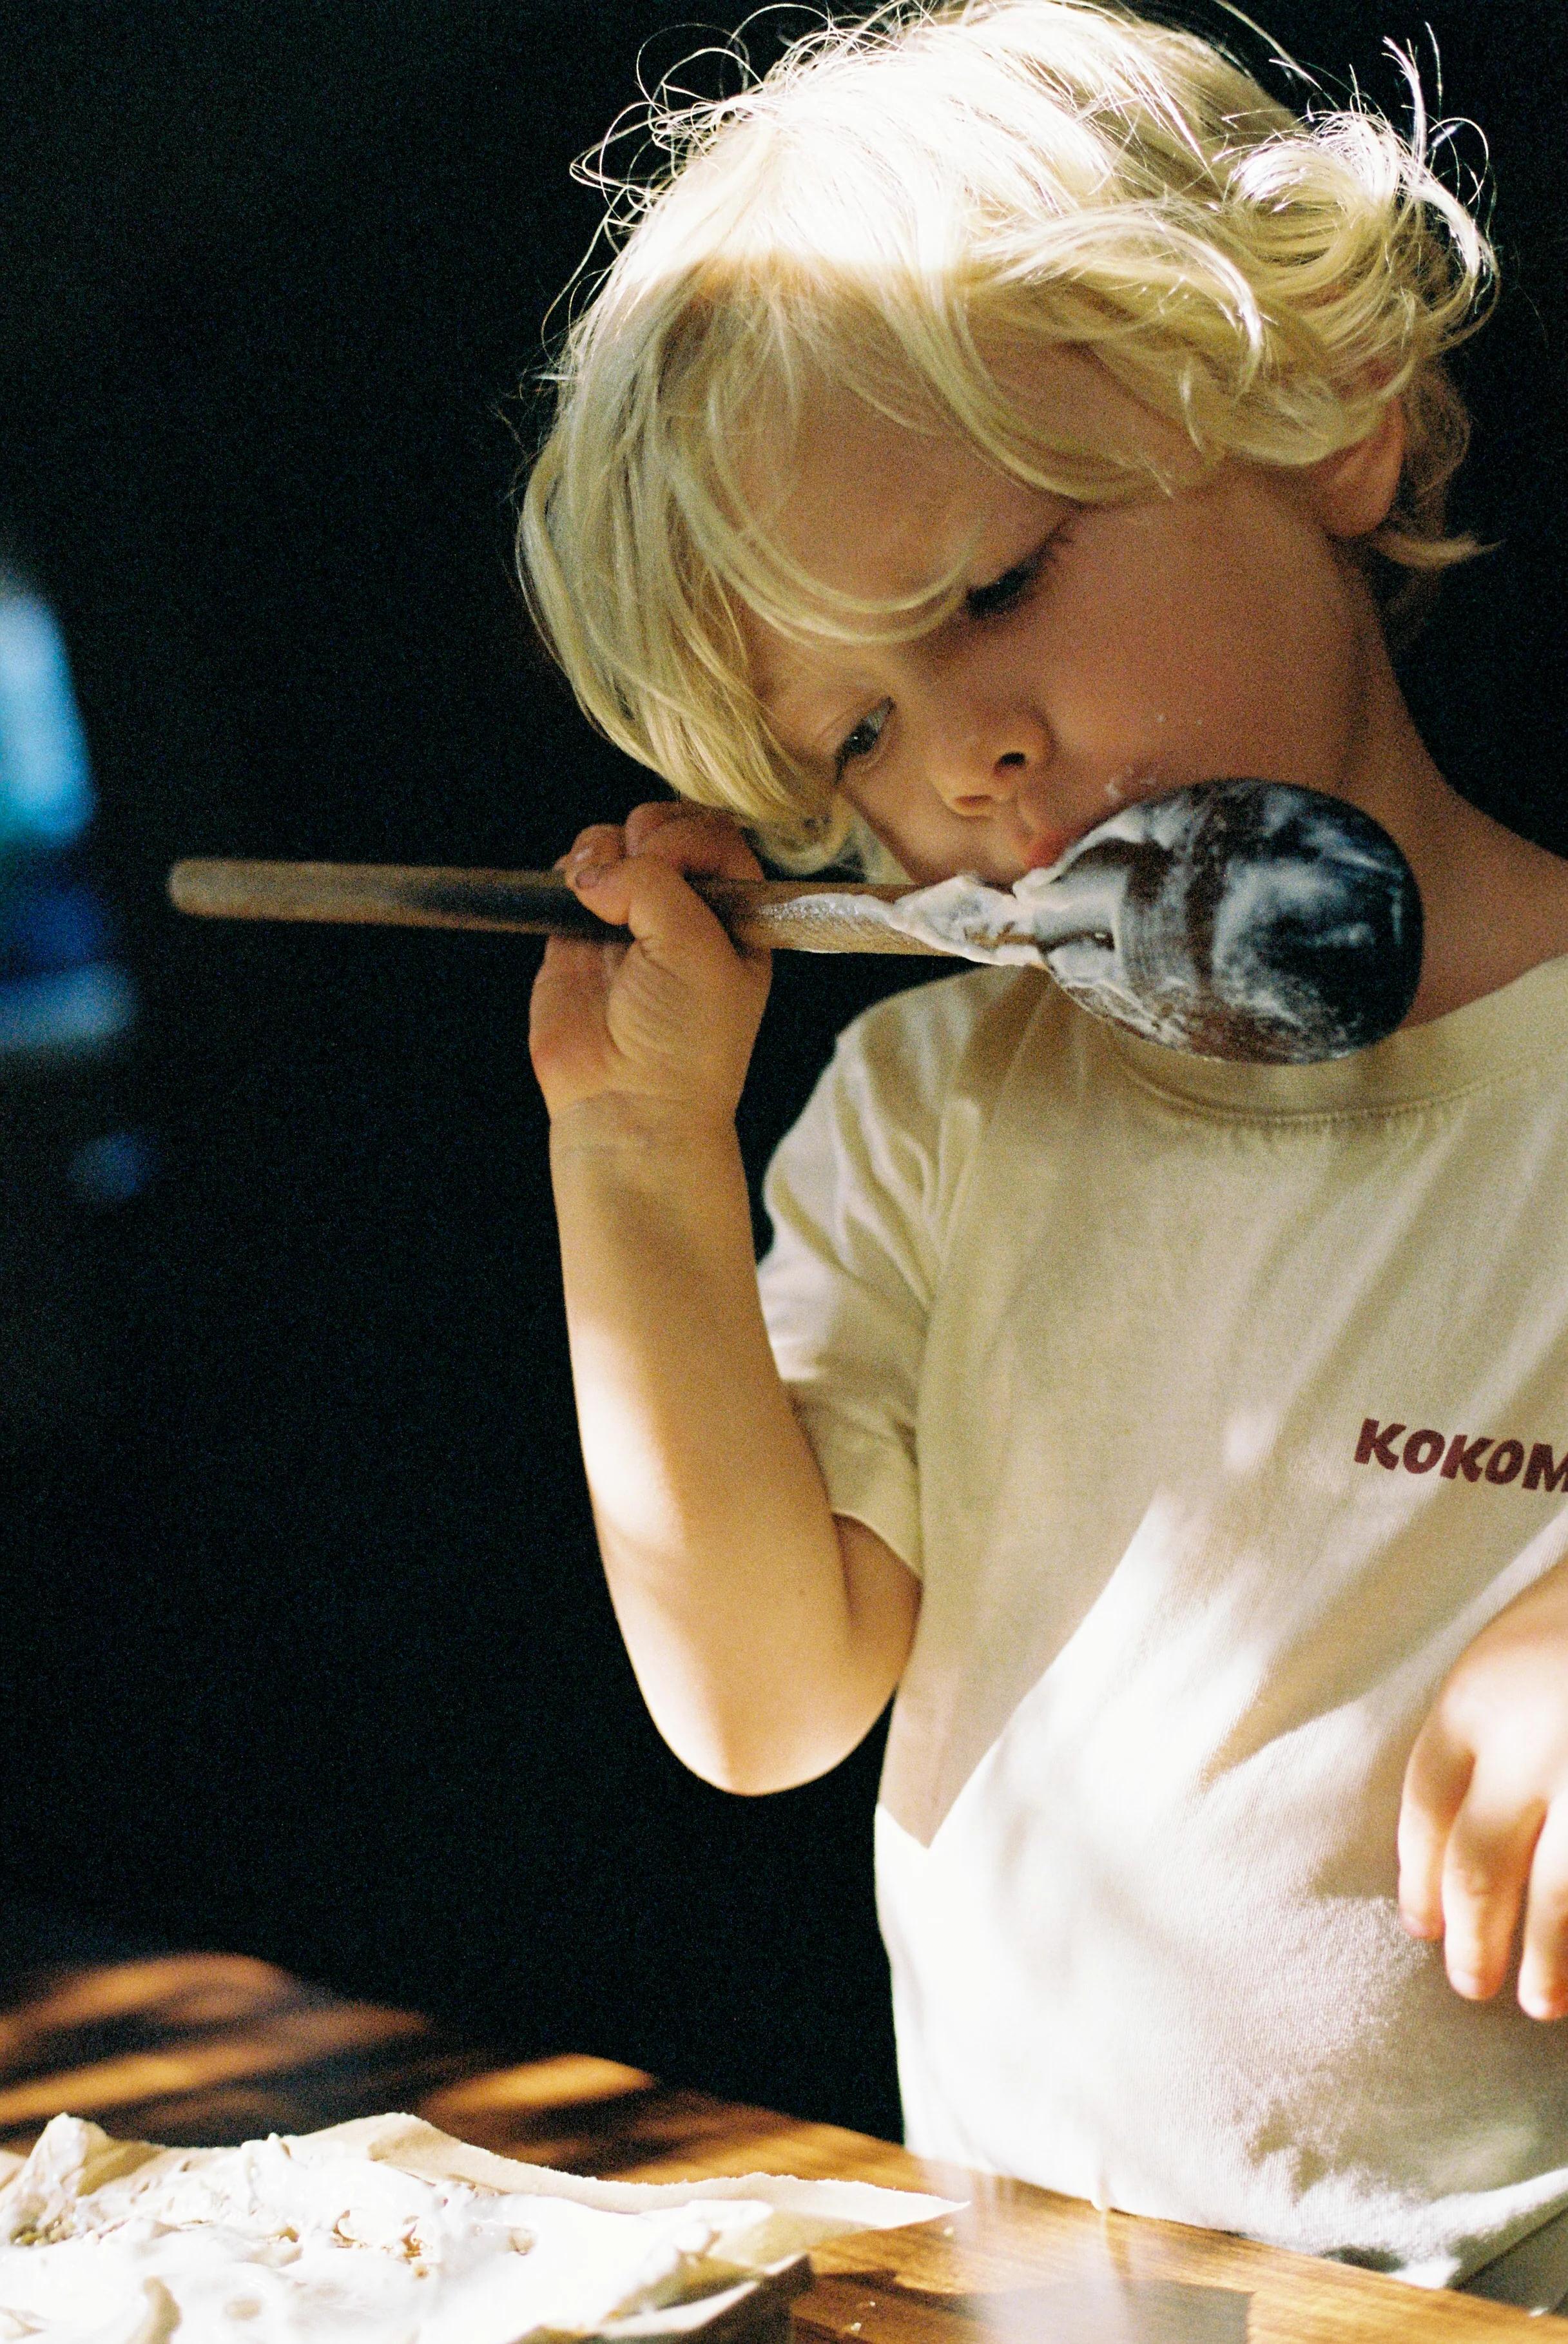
1048,846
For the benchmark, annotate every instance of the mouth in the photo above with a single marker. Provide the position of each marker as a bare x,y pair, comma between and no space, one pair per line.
1051,845
1048,846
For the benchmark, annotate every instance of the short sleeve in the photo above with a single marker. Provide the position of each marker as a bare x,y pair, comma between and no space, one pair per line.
856,1194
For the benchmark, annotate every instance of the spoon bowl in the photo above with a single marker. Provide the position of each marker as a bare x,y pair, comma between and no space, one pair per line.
1248,920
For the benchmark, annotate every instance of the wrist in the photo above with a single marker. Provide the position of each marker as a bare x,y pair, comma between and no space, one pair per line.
626,1129
647,1192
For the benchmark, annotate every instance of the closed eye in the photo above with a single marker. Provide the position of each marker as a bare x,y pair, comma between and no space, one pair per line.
1006,592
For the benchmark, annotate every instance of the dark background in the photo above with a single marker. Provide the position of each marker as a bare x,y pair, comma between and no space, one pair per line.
305,1646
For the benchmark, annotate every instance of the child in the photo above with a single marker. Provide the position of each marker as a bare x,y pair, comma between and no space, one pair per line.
1004,411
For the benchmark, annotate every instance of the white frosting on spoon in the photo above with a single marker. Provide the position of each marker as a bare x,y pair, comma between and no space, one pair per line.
965,916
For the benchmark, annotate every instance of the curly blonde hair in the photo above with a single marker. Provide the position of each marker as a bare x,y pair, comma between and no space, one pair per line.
898,201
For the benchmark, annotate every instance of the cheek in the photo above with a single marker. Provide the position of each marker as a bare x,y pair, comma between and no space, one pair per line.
930,840
1222,635
1274,646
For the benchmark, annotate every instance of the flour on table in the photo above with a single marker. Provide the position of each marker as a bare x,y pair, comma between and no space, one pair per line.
385,2232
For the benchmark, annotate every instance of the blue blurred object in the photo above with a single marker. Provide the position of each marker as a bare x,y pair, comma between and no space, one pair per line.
46,793
62,992
73,1010
115,1168
59,925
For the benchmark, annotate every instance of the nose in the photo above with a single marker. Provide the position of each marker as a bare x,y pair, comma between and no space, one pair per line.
985,758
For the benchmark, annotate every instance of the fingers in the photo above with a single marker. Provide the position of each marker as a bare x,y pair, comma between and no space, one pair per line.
690,838
644,819
598,847
636,878
1436,1780
670,924
693,839
1485,1877
670,1012
1483,1821
1543,1967
1473,1851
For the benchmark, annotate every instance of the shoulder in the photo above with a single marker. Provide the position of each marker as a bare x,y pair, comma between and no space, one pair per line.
910,1090
959,1033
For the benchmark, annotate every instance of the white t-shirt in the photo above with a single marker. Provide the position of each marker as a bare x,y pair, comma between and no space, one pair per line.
1218,1408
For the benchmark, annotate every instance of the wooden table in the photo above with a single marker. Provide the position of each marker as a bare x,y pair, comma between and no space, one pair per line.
210,2049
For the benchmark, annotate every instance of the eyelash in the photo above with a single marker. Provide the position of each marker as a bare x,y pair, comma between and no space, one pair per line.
848,753
1005,594
981,604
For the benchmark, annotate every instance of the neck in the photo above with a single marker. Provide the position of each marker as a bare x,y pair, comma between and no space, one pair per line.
1494,904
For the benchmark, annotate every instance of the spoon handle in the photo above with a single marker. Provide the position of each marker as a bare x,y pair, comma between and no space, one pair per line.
798,915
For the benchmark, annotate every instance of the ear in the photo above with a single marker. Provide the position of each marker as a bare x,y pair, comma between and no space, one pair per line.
1353,489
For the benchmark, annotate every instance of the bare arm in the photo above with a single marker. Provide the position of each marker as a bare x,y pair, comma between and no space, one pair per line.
767,1633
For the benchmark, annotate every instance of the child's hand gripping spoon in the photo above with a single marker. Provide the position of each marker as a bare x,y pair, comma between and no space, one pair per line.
1237,919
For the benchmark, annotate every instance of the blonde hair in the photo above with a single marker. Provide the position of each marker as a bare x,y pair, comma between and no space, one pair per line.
898,202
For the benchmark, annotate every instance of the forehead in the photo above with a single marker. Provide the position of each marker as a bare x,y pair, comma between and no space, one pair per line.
872,509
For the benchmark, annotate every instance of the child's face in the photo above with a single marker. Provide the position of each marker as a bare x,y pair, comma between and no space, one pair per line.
1102,653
